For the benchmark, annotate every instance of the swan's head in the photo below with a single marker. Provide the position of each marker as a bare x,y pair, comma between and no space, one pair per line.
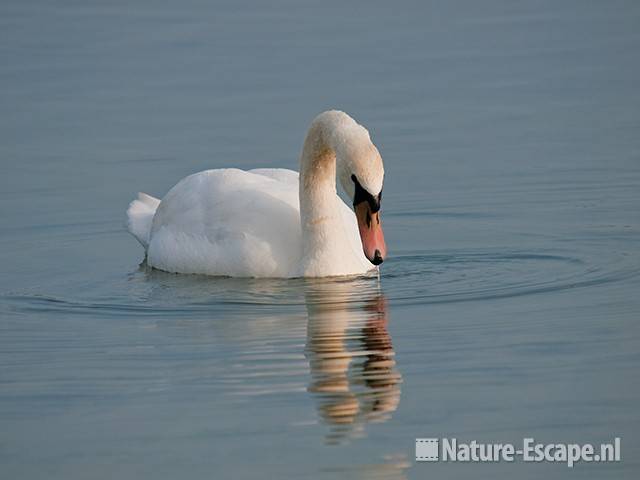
361,174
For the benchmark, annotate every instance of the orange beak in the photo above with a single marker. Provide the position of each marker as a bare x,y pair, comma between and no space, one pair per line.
371,233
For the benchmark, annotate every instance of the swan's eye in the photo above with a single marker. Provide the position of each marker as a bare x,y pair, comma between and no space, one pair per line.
361,195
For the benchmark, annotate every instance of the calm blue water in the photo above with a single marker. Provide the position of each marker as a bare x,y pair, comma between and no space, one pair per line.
509,304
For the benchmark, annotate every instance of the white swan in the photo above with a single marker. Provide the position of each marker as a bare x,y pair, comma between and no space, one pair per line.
270,222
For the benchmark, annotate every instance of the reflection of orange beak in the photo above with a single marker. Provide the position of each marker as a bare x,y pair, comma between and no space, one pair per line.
371,233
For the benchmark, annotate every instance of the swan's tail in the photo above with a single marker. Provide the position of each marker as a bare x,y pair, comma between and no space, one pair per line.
140,215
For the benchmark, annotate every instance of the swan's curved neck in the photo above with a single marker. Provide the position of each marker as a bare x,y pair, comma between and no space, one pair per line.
317,175
320,213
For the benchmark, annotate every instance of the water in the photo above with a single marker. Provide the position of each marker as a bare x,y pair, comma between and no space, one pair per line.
508,306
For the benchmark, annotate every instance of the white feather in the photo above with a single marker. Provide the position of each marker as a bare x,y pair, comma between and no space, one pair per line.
140,215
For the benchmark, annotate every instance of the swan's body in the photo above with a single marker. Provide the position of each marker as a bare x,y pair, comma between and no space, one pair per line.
250,223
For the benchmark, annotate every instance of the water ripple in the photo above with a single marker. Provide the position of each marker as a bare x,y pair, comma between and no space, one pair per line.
410,278
458,277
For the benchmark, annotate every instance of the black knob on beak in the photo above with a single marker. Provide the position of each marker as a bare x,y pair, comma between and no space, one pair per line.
377,258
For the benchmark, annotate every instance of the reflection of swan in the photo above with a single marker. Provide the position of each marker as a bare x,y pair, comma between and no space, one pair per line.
253,331
270,222
393,467
351,358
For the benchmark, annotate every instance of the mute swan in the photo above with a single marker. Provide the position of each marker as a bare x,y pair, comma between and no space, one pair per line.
273,222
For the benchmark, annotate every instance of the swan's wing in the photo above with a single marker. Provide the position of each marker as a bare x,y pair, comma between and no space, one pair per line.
283,175
229,222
